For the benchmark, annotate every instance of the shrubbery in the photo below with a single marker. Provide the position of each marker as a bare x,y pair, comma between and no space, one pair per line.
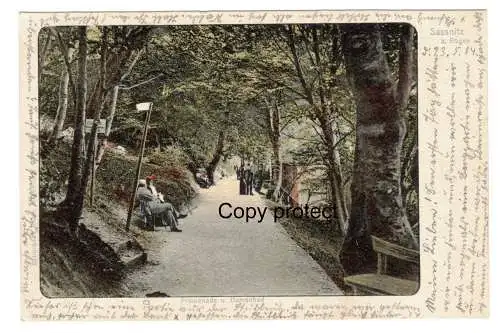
54,170
115,176
168,156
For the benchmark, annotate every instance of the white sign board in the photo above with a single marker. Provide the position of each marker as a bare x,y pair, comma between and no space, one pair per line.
143,106
101,126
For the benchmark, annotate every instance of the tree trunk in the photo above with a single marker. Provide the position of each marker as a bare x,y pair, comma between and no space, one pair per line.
62,105
109,122
219,148
377,207
158,141
274,128
405,67
77,149
405,82
42,56
333,174
407,169
279,176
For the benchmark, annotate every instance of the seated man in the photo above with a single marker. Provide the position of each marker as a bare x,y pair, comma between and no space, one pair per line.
164,210
152,188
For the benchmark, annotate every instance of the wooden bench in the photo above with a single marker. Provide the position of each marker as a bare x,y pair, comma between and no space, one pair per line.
381,283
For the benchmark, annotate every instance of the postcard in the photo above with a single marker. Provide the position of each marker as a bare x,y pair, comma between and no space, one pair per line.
254,165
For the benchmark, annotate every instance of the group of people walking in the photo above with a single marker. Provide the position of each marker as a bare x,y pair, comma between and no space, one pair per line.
246,175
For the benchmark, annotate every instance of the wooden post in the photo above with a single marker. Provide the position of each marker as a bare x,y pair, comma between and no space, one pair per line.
380,263
92,180
138,170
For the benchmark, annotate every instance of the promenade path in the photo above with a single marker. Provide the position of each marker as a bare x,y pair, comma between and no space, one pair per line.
228,257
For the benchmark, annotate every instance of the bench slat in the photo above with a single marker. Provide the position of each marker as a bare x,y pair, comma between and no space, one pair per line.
394,250
380,284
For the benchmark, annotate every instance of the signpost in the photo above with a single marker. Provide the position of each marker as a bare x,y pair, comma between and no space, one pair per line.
101,128
147,106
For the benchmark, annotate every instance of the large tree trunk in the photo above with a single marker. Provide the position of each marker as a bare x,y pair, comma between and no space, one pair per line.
62,105
77,150
377,207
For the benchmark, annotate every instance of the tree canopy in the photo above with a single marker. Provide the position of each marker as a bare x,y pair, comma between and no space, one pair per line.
278,94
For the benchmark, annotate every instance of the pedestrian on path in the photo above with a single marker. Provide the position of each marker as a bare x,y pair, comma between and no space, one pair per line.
248,177
243,187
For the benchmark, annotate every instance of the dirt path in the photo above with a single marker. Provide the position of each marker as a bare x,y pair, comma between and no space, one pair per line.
228,257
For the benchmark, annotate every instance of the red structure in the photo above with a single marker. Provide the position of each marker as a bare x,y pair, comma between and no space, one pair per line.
291,182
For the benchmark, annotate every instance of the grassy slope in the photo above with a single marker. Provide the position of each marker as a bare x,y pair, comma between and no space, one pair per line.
323,244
